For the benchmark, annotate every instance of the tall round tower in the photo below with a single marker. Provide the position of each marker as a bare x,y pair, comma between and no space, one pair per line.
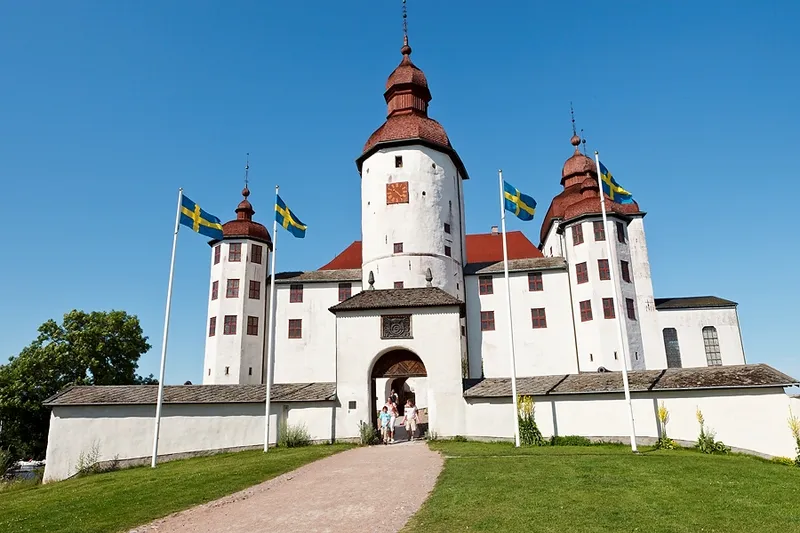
412,204
237,300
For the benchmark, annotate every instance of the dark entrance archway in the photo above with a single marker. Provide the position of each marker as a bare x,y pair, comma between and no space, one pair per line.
397,366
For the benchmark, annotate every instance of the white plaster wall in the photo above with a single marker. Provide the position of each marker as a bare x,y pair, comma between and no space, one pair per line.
436,341
241,352
543,351
419,386
435,198
748,419
689,324
126,431
313,357
553,245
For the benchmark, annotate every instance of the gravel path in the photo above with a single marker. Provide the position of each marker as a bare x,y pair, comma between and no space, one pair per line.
360,490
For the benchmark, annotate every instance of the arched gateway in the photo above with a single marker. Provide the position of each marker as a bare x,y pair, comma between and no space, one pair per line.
396,367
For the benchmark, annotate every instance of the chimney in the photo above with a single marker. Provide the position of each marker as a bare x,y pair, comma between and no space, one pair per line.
495,230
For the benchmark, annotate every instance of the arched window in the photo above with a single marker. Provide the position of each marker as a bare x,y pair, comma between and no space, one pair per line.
711,343
672,348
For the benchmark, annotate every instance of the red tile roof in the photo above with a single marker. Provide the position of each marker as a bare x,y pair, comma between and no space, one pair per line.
481,248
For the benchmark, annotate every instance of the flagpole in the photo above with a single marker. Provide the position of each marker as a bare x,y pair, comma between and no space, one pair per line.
508,303
270,328
160,399
618,295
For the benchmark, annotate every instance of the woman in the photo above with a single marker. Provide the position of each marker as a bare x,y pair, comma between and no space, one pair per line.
412,417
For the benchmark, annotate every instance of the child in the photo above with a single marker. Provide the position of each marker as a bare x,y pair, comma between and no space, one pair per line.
411,419
385,417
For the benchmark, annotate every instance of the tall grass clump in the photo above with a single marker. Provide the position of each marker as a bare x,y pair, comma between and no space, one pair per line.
664,442
706,441
529,433
794,426
293,436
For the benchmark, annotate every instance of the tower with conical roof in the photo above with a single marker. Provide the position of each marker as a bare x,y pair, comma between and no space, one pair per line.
412,206
237,310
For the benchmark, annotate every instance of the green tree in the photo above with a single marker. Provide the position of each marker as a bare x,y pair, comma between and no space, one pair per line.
98,348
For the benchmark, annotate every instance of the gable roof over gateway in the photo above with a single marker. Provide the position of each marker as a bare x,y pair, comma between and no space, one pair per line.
398,298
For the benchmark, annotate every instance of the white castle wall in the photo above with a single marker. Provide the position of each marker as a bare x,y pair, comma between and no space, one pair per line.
689,324
435,198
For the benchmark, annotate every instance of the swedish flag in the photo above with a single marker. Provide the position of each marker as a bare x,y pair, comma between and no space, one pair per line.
612,189
200,221
522,205
288,220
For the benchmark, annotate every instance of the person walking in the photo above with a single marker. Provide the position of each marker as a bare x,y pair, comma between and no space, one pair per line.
412,417
392,409
385,417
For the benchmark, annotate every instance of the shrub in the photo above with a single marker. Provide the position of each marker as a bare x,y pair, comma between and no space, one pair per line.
459,438
367,434
529,433
706,441
783,461
664,442
87,461
794,426
569,440
6,460
293,436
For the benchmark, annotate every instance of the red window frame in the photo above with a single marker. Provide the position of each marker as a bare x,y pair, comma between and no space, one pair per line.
256,253
621,232
485,285
599,230
217,251
577,234
631,308
229,325
608,308
296,293
214,290
232,288
487,320
345,291
582,273
254,290
535,281
538,318
398,284
626,273
252,325
605,272
295,328
212,326
586,310
235,252
398,248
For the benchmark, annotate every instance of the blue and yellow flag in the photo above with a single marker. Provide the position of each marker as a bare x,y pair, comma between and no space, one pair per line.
612,189
286,218
522,205
200,221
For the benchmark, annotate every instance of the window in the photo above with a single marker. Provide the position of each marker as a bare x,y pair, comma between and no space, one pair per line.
621,235
235,252
487,320
398,161
345,291
255,253
214,290
608,308
485,285
447,251
631,309
602,266
446,228
212,326
250,371
295,293
538,318
581,272
398,284
252,325
577,234
232,290
255,290
227,370
586,310
535,282
463,331
672,348
398,247
295,328
217,253
229,325
209,371
599,230
626,274
711,343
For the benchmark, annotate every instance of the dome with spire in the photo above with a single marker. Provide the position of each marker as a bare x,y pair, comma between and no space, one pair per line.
578,166
243,226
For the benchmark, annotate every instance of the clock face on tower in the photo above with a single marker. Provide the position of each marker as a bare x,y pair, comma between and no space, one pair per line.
397,192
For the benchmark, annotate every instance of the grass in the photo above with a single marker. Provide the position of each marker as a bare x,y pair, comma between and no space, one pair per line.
494,487
120,500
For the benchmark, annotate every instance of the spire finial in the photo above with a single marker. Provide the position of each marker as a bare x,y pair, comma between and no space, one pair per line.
246,190
575,140
572,116
405,50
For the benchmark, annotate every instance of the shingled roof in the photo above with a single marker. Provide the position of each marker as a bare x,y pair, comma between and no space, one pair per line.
516,265
343,274
397,298
692,302
192,394
714,377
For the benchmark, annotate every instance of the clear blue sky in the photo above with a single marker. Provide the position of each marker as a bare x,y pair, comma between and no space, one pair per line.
109,107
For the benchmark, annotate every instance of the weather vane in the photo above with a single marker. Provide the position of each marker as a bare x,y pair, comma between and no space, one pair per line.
405,22
572,115
246,169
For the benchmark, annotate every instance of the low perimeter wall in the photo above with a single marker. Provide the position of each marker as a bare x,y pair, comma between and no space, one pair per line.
125,432
749,420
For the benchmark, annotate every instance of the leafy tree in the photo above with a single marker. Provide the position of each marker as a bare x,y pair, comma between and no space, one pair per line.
98,348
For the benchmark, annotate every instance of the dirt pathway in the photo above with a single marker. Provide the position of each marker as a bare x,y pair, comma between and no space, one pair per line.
361,490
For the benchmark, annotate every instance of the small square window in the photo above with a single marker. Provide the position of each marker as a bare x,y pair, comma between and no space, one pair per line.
485,285
296,293
447,228
252,325
217,249
447,251
599,230
602,266
631,309
212,326
398,247
256,253
398,161
250,371
229,325
608,308
214,290
232,290
621,232
235,252
626,274
227,370
345,291
487,320
577,234
538,318
586,310
535,282
351,404
581,273
295,328
398,284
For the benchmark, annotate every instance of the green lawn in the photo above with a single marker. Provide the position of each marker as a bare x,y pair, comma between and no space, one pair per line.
497,488
120,500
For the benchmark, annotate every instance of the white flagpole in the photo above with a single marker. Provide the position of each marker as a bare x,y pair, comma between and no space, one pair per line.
270,328
619,307
166,331
508,302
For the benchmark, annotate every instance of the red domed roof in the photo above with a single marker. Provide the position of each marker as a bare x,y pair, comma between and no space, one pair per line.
244,227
